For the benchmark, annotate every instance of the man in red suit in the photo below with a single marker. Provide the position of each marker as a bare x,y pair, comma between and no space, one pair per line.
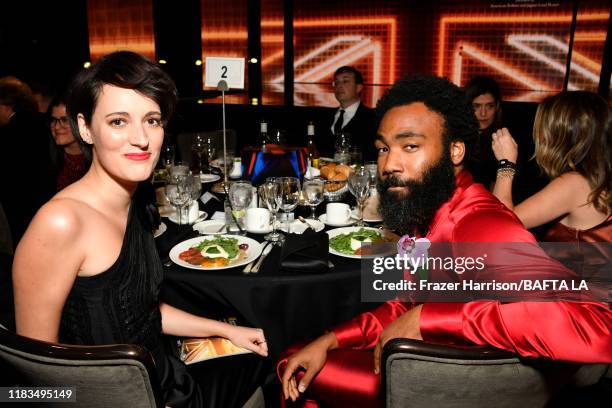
425,141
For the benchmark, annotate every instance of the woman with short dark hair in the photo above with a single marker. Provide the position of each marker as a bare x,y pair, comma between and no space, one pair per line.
87,270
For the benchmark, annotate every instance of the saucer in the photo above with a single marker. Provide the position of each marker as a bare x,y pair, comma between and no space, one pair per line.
174,218
261,231
323,219
210,227
209,178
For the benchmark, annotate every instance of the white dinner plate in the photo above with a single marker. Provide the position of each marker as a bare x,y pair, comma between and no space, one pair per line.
346,230
210,227
355,215
160,230
174,218
209,178
253,251
323,219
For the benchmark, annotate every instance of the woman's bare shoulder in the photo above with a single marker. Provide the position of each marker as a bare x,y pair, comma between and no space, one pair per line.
61,217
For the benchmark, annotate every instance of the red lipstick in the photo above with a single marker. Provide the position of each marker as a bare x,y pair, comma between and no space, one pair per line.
138,156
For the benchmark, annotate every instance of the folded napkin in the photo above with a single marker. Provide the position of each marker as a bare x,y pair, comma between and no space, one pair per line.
301,253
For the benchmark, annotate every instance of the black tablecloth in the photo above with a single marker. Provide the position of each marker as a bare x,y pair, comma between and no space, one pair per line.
289,307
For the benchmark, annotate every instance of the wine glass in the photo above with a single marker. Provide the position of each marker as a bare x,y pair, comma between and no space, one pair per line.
197,154
313,193
240,195
177,193
288,195
209,150
343,146
358,184
268,192
193,185
168,155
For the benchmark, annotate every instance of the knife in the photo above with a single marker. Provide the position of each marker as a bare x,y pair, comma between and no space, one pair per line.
263,256
247,269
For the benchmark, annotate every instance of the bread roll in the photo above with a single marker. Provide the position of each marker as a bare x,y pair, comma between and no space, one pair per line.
339,177
327,172
344,169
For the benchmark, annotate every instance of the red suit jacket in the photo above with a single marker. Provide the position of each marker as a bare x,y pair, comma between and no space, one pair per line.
560,330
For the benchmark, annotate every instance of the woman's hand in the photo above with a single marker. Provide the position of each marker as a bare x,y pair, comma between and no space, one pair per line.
312,358
504,146
249,338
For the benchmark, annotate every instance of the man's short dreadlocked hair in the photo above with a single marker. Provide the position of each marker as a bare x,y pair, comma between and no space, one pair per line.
441,96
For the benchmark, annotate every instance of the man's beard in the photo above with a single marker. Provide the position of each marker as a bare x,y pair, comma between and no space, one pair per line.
413,211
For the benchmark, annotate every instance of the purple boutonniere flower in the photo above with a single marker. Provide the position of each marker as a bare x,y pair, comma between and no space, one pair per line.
414,248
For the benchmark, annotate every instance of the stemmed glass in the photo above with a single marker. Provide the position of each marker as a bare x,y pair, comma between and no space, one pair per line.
268,192
288,195
343,146
193,185
197,153
313,193
168,154
359,185
209,151
177,193
240,195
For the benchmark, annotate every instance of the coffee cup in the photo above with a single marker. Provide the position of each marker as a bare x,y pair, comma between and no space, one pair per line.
338,213
257,219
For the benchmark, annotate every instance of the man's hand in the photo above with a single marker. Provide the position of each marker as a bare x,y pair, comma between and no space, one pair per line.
406,326
311,358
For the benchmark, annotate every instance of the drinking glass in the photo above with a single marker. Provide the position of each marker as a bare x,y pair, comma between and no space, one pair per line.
209,151
268,192
313,193
358,184
168,155
240,195
197,154
177,193
193,185
288,195
342,142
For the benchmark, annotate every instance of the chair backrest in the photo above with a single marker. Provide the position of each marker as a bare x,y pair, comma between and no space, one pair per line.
118,375
184,141
420,374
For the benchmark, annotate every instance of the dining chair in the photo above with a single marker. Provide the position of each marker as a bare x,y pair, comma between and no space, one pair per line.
119,375
420,374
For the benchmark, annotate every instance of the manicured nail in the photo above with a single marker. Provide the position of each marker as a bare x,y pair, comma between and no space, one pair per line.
302,388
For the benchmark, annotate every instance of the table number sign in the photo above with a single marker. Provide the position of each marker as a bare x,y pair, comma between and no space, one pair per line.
230,70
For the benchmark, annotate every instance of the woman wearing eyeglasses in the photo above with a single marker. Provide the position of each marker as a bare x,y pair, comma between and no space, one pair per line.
66,153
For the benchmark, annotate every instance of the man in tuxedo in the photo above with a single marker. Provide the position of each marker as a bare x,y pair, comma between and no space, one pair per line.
352,117
427,135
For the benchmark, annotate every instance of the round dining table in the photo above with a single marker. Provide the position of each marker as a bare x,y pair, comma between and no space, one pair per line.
288,306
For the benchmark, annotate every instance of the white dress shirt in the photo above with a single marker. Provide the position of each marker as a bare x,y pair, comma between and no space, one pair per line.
349,112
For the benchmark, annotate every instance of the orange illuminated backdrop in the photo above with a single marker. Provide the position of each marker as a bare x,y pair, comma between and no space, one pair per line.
522,44
272,51
224,34
120,25
524,48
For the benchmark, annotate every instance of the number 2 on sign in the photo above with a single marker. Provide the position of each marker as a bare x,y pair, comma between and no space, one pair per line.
224,72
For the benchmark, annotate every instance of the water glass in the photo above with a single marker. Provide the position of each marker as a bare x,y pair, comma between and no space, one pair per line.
268,192
240,195
197,154
358,184
178,194
313,193
288,195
